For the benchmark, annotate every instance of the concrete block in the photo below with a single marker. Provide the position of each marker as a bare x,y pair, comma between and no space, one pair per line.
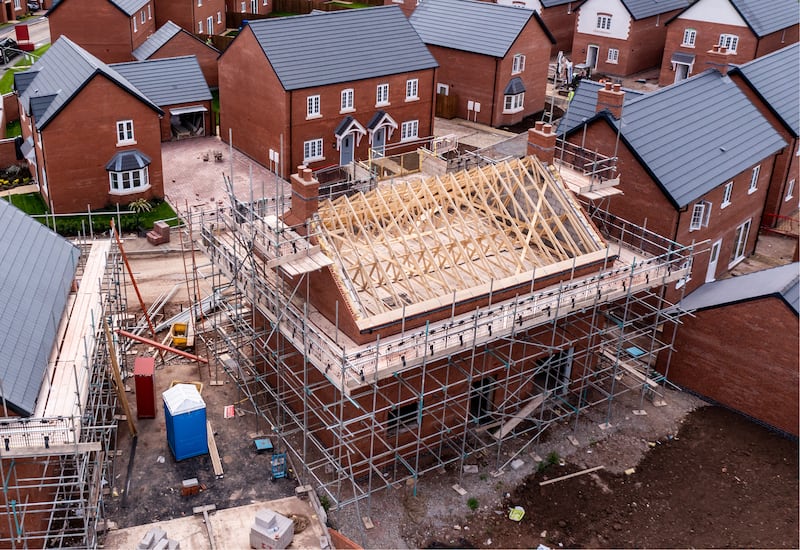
470,469
458,489
517,463
573,440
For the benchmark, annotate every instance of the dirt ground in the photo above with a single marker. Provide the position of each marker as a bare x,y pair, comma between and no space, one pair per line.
721,482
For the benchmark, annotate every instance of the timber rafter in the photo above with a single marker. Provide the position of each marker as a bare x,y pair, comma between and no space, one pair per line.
408,242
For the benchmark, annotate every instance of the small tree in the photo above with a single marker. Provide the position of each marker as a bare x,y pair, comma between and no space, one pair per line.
139,207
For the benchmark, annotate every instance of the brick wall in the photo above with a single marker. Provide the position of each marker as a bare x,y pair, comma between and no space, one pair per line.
184,44
187,13
560,21
743,355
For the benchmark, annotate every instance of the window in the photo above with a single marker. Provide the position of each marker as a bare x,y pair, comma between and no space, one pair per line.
149,12
789,190
603,22
200,27
754,180
312,107
404,417
347,100
513,103
726,194
199,3
519,64
130,181
125,132
740,243
613,55
142,17
382,95
409,130
244,7
210,24
219,18
17,5
135,29
412,89
689,37
729,41
700,216
265,2
312,150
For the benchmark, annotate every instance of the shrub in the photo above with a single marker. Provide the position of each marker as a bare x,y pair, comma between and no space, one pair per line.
472,503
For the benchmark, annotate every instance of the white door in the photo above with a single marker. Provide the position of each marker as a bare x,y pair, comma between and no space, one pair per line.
681,71
591,56
379,141
711,272
346,150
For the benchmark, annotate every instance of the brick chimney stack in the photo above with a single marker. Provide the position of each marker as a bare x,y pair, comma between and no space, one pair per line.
718,58
610,98
305,199
542,142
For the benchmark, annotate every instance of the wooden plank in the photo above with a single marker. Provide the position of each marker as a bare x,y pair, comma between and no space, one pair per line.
523,413
574,474
630,368
212,450
53,450
118,385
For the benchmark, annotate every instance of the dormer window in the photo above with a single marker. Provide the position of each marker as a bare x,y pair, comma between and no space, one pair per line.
603,21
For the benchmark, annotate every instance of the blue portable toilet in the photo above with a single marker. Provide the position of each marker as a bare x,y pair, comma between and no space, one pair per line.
185,415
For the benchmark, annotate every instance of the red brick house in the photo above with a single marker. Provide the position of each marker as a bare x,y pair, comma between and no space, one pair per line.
12,10
622,37
558,15
197,16
301,90
507,76
91,138
261,7
170,40
776,98
747,29
740,346
694,161
108,29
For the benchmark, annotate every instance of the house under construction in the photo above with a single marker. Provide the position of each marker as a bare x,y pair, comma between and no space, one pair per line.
58,429
387,333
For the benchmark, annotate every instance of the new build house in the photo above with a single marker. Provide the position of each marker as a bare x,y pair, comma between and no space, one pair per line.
622,37
746,29
558,15
507,50
302,90
695,161
197,16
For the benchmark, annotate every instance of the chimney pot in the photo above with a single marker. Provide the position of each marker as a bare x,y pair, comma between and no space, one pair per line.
617,87
300,168
715,48
307,174
539,125
548,128
608,85
723,49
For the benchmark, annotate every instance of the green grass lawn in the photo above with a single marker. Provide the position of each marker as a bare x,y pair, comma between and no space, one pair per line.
13,129
7,80
33,205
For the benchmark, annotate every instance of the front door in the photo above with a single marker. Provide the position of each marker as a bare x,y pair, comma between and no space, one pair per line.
711,272
379,141
346,150
591,56
681,71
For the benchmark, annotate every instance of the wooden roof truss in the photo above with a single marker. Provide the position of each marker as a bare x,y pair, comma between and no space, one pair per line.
409,242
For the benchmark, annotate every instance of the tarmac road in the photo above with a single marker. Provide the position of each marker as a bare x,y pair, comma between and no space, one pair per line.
39,29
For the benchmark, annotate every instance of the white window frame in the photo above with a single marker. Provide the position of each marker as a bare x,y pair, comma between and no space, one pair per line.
603,22
740,243
136,180
613,56
219,18
313,109
789,190
135,27
200,27
701,214
17,5
514,103
142,17
409,130
265,2
149,12
312,150
412,89
125,135
382,94
689,37
727,191
754,180
347,103
199,3
729,41
244,7
518,64
210,24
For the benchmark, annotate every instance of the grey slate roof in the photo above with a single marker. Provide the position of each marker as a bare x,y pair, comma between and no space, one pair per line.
783,281
124,161
154,42
551,3
583,104
767,16
641,9
341,46
776,78
37,267
695,135
60,74
470,26
128,7
168,81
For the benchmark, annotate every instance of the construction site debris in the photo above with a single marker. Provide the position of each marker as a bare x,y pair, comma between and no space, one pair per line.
516,513
574,474
271,530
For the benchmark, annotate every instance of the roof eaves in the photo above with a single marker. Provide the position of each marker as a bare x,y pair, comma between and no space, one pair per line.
736,70
544,27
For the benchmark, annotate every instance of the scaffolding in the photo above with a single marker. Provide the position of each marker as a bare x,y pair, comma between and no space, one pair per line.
56,463
404,394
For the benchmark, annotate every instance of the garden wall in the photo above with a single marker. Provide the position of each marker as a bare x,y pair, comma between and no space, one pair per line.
8,154
10,108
